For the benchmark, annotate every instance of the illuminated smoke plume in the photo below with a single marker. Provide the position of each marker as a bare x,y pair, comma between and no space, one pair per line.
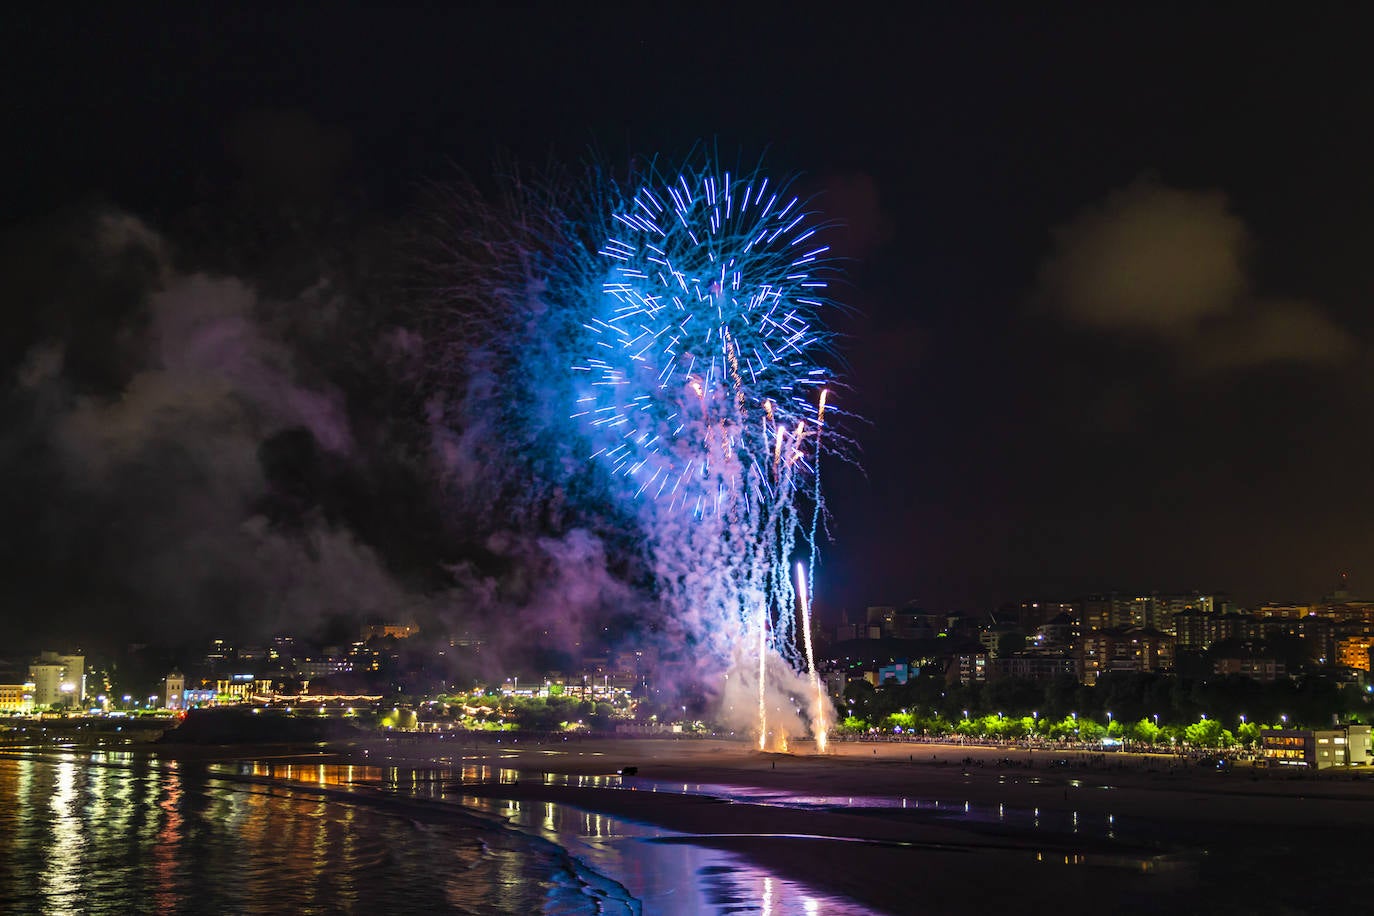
703,390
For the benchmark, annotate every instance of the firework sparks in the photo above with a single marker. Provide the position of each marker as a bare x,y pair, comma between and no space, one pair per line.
708,329
704,390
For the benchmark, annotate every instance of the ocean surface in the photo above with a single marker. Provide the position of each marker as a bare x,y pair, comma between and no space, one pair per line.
110,832
114,832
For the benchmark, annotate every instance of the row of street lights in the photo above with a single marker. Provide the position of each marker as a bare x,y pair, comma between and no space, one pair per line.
1035,715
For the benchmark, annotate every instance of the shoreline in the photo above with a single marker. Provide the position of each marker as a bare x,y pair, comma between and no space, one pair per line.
1178,830
833,821
792,821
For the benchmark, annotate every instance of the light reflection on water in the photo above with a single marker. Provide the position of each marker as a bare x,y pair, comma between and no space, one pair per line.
677,877
666,877
99,834
106,833
967,813
68,843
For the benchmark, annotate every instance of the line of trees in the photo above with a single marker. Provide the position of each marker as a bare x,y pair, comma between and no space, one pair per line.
1140,707
1072,728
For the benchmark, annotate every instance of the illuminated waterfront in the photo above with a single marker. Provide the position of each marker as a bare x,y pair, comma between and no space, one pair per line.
115,832
125,833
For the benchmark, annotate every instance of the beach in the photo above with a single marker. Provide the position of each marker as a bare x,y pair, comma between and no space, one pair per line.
896,826
693,824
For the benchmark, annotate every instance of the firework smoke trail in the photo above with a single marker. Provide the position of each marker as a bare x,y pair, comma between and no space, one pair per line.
763,676
819,726
703,394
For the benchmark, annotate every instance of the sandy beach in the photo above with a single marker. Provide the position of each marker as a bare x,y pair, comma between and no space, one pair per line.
891,827
899,827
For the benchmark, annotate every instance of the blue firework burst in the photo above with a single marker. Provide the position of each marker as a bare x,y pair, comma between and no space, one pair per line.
704,364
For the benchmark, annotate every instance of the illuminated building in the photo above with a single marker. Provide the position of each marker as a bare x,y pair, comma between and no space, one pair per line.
968,668
322,667
394,630
17,698
59,680
1151,611
1353,651
1285,611
1125,649
1318,749
47,680
895,673
1197,630
174,690
236,688
1096,615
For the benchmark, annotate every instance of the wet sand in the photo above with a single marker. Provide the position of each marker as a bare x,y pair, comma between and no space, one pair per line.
884,824
1154,786
788,813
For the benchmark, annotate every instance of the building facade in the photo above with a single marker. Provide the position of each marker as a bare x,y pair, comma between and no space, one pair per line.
1316,748
59,680
17,698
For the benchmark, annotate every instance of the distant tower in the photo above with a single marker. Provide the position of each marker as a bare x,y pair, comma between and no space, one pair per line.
174,690
1342,593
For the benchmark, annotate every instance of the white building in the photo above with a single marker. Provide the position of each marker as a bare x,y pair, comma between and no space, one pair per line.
58,680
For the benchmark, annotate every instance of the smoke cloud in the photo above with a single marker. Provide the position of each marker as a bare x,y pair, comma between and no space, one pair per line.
200,458
155,510
224,452
1170,266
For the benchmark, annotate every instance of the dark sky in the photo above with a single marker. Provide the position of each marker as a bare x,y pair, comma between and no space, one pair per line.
1110,277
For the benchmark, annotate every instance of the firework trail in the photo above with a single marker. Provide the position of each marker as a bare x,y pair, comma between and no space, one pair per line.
703,388
819,703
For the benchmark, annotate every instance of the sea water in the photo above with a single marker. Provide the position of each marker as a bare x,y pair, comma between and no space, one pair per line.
116,832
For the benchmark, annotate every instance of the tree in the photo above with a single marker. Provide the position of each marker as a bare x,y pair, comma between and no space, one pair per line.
904,721
1145,731
1090,731
1205,733
1066,727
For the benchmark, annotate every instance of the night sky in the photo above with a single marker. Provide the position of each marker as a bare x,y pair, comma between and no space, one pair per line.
1109,278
